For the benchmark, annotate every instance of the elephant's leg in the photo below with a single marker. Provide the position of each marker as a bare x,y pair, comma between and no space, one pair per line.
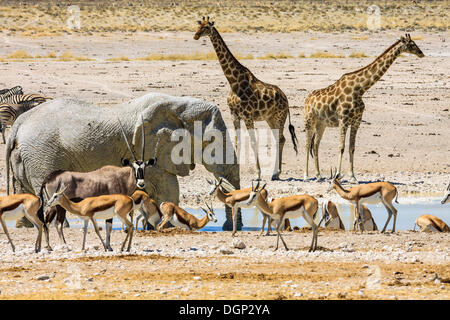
3,129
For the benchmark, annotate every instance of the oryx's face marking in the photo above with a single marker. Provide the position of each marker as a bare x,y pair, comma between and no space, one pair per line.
139,173
54,199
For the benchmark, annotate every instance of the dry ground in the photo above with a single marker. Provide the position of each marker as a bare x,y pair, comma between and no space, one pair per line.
185,265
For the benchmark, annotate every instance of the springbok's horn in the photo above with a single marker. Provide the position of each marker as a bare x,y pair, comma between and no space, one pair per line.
257,185
143,138
263,186
126,140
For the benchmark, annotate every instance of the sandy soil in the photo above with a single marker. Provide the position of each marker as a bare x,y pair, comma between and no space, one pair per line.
404,138
185,265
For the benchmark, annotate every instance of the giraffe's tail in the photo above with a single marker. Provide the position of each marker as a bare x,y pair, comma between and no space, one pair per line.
293,135
311,145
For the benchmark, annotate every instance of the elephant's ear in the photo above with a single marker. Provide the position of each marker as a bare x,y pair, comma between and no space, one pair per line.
159,125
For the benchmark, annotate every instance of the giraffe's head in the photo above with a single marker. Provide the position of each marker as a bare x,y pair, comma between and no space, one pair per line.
410,46
204,28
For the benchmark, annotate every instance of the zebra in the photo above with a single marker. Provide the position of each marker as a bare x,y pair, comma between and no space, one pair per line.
13,103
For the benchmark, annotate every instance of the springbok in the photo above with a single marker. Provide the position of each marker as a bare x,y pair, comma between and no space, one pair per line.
370,193
446,197
290,207
103,181
148,208
92,208
16,206
428,223
182,219
331,216
236,199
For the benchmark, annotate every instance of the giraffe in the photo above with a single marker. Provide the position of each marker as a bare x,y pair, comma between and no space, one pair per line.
250,99
341,104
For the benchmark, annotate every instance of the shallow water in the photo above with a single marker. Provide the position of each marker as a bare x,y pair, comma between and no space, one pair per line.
409,209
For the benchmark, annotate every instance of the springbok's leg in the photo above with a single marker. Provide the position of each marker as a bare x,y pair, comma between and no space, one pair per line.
263,224
129,236
98,232
280,222
39,225
163,223
388,219
310,220
85,227
109,225
360,217
5,229
234,216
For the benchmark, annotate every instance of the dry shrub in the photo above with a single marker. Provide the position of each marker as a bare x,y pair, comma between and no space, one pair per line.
360,38
280,55
19,54
325,54
358,55
121,58
67,56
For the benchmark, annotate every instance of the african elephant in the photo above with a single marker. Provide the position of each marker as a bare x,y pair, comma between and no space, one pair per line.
69,134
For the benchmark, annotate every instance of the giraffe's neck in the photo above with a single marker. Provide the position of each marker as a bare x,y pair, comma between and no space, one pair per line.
231,67
374,71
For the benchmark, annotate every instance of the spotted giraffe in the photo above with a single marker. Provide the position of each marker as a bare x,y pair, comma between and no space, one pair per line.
250,99
341,104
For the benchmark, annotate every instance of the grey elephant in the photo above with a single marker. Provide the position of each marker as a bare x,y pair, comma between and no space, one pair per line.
69,134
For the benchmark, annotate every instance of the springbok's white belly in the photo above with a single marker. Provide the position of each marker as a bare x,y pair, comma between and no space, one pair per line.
105,214
373,199
295,214
14,214
175,222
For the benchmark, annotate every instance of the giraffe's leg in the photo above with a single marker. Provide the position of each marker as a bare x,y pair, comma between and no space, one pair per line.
277,128
254,144
317,138
237,138
353,131
343,132
309,135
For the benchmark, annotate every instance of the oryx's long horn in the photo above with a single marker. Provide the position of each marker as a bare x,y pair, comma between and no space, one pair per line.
58,186
448,187
143,138
126,140
263,186
257,185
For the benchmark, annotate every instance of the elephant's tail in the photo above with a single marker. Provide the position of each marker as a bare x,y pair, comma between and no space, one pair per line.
292,132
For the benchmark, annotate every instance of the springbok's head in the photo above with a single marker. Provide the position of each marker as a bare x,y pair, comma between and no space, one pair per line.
137,165
204,28
214,185
446,196
254,194
334,178
410,46
210,213
56,196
